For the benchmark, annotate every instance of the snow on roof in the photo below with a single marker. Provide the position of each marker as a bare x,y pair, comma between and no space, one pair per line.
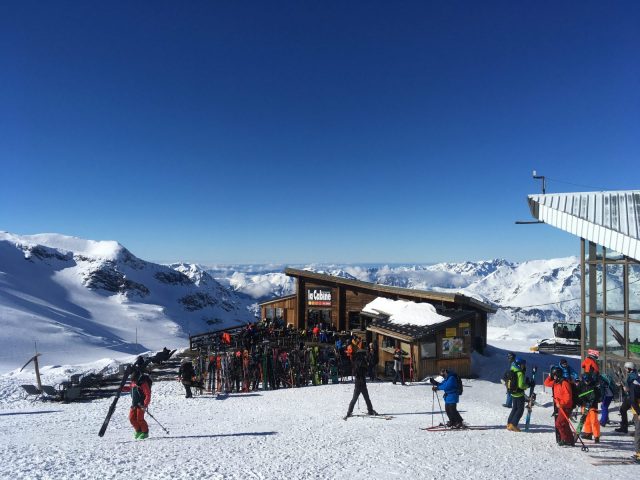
403,312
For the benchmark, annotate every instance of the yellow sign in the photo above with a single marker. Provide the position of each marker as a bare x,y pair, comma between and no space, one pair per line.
465,324
451,332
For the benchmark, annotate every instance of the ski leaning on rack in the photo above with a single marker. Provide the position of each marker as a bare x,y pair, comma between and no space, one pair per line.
532,398
112,408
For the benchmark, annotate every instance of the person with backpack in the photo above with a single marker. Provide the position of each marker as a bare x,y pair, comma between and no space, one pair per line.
452,387
185,375
360,368
632,376
509,401
589,397
608,391
517,384
563,398
140,388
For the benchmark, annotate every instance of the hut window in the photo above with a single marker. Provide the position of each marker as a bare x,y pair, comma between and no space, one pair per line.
388,342
428,350
269,313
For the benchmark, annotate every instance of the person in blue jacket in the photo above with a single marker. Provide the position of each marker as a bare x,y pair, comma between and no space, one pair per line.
568,372
451,397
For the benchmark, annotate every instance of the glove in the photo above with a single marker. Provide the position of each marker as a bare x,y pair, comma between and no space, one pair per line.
432,381
434,388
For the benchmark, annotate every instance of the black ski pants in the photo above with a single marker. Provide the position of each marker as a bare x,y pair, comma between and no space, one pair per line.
360,387
517,410
624,408
452,413
187,389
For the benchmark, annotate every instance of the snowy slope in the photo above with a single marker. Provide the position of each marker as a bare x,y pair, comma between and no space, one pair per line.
260,435
95,299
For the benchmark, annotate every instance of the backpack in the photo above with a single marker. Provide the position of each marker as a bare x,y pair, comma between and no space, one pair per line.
607,381
511,381
459,385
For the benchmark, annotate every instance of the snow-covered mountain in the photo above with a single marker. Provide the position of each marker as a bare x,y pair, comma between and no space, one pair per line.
97,298
532,291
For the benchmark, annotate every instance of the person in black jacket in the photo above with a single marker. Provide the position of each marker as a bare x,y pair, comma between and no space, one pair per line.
360,380
185,375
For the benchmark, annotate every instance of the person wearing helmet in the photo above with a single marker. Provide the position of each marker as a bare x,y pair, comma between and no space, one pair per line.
517,388
590,363
140,388
510,358
568,372
449,385
563,400
629,390
590,395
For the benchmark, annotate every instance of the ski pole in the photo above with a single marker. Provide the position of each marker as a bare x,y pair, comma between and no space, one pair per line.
444,422
584,447
156,420
433,400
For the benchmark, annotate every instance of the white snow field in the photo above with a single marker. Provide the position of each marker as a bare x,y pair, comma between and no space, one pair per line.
295,434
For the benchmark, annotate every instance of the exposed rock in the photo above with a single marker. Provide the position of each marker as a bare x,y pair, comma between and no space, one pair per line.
199,300
172,277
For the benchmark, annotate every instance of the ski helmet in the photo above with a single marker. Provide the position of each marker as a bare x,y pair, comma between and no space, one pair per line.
521,362
556,372
630,365
564,362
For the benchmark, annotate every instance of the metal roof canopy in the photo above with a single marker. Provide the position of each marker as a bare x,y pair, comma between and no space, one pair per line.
456,298
610,219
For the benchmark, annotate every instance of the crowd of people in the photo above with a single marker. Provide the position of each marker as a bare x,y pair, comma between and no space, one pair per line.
250,361
577,395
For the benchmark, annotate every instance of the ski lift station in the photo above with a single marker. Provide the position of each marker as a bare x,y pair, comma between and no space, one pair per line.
608,225
434,329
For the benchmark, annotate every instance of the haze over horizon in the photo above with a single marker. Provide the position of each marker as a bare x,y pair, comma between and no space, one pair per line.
300,132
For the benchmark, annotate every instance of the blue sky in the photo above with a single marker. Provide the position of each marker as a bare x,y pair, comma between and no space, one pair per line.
313,131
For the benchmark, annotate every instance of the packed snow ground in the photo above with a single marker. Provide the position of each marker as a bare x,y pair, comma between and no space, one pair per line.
296,434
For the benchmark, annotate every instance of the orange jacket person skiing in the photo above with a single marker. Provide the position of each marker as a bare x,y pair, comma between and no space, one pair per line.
140,388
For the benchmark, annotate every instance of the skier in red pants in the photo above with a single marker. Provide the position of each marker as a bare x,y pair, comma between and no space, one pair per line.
140,388
563,397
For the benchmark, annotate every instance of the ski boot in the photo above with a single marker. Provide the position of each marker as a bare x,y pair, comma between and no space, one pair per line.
372,413
347,416
136,434
622,429
596,439
143,435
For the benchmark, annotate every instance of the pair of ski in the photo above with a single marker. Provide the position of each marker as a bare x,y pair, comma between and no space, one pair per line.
604,461
379,417
444,428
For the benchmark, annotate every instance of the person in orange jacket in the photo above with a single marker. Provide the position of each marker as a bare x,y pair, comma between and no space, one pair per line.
563,398
590,363
140,388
